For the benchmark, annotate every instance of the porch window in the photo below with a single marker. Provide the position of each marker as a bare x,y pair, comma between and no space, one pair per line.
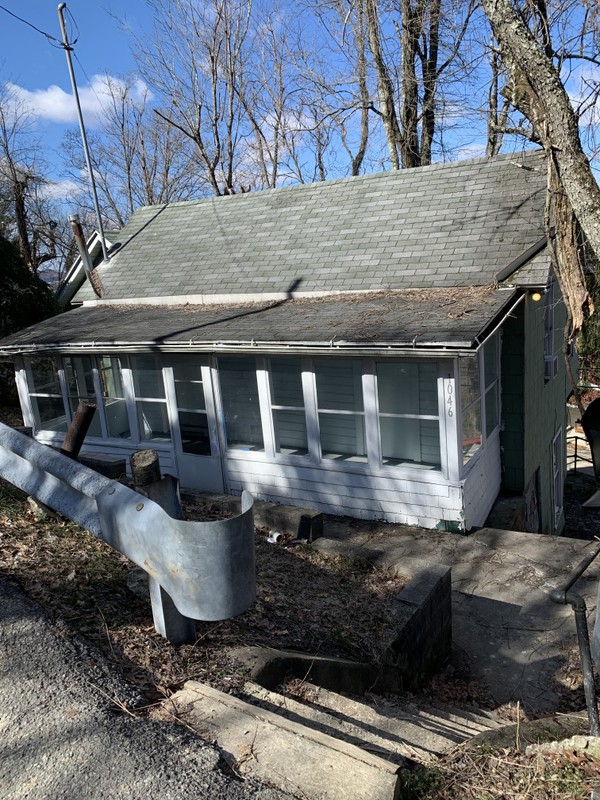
45,394
287,406
340,409
79,376
470,394
408,413
558,475
191,407
491,373
113,397
150,399
239,391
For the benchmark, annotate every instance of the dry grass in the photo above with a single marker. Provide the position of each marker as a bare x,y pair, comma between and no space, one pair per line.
505,774
306,601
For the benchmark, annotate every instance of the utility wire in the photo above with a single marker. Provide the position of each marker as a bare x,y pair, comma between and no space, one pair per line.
87,79
25,22
73,22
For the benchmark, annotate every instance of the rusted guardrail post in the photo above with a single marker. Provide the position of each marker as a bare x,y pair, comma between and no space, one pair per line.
80,424
145,470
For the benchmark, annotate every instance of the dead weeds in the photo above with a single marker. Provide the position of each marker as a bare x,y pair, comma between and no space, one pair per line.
482,774
306,601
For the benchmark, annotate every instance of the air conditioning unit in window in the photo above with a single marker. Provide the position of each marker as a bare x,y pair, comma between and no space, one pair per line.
550,367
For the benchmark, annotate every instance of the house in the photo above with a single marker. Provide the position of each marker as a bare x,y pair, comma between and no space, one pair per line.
386,346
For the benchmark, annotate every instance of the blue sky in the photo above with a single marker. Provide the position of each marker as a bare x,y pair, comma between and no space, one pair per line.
38,68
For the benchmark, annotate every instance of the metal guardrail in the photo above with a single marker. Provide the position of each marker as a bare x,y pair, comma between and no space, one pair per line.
207,569
563,595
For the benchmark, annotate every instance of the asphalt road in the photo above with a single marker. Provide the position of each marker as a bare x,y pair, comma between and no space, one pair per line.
62,738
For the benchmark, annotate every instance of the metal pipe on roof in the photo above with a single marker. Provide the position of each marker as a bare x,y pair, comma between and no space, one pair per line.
84,254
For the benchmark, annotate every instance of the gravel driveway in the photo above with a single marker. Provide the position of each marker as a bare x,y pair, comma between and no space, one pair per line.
61,736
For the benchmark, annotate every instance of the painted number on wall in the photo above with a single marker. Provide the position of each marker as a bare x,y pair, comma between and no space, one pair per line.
450,399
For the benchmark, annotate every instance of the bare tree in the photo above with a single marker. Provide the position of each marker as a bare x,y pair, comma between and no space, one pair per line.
195,59
430,35
524,36
138,159
28,213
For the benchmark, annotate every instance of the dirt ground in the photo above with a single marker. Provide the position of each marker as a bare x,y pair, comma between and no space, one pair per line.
307,601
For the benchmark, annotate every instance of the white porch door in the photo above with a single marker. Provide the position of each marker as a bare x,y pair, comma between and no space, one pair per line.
193,422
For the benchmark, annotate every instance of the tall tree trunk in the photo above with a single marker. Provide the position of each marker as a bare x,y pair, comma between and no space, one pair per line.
384,84
548,108
412,26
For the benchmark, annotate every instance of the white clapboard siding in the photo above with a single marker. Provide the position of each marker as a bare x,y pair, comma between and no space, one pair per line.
482,483
366,495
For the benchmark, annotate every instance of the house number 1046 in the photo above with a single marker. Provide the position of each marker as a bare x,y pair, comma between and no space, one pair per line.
450,400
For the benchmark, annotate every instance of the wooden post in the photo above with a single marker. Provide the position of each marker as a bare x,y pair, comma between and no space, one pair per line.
168,621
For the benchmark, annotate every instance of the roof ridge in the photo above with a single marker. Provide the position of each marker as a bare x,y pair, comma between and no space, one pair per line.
368,176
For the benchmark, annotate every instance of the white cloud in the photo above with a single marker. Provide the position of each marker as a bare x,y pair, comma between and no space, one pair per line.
55,105
61,190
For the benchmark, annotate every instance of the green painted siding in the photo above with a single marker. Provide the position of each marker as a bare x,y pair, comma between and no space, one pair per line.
533,409
511,436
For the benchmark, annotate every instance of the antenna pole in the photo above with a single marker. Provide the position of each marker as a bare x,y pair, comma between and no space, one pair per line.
67,48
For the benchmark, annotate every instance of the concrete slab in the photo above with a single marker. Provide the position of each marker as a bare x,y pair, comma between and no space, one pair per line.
283,752
418,733
506,632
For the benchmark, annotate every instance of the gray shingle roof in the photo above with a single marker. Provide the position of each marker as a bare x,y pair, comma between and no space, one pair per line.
440,226
435,317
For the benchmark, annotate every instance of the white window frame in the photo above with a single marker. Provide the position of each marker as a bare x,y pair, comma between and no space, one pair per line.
441,369
132,399
33,393
484,388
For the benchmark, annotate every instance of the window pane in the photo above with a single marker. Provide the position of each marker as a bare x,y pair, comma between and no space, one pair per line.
407,388
49,413
190,395
188,386
43,376
286,382
115,407
410,441
239,391
469,380
79,376
110,376
339,384
153,420
195,437
343,436
147,377
491,409
490,361
117,421
471,431
290,432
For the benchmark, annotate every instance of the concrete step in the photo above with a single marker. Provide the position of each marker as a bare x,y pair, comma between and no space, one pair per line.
279,750
322,745
393,731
